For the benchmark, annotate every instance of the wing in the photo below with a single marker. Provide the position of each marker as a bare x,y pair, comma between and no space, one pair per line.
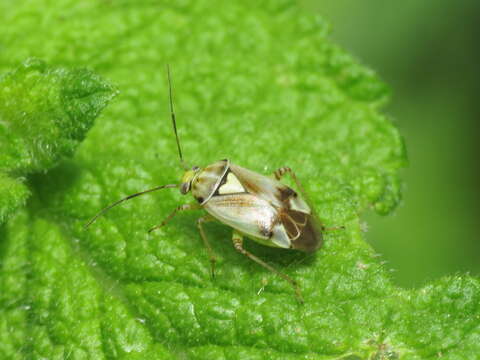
302,229
278,194
251,215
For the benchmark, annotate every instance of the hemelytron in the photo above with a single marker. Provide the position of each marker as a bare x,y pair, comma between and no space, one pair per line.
256,206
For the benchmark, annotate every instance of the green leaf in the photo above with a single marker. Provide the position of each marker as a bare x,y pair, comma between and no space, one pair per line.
13,194
262,85
45,113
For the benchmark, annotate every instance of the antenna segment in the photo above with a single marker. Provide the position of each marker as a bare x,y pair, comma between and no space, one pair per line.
92,220
172,114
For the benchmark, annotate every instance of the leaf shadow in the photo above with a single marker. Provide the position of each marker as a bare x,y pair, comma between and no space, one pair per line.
46,186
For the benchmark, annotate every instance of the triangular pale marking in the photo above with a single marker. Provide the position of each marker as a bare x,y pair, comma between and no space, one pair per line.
231,186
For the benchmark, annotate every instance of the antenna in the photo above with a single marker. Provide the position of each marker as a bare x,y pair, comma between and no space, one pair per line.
172,114
104,210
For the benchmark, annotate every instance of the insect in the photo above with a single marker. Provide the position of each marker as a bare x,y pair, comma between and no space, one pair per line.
255,206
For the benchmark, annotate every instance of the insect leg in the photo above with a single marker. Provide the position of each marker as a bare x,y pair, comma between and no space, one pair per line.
211,254
238,245
174,212
333,228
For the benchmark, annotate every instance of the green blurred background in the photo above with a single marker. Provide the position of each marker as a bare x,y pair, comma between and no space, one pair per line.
428,52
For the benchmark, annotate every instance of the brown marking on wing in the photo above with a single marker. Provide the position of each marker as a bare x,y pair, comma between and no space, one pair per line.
302,229
251,186
234,200
285,193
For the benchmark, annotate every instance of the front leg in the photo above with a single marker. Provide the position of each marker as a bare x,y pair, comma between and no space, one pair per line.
211,254
183,207
237,239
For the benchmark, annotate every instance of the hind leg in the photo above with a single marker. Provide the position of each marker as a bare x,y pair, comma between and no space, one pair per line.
238,245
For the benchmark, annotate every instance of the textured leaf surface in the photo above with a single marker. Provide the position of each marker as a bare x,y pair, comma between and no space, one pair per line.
263,86
44,114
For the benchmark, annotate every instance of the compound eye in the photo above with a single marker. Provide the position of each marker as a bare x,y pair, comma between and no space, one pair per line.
185,188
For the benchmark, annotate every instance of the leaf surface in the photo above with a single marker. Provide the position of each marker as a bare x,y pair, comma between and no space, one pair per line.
264,86
45,113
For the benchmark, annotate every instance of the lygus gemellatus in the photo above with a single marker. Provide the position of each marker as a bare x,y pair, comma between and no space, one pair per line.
254,205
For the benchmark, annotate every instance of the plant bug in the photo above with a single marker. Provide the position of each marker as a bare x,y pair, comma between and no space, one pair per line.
256,206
